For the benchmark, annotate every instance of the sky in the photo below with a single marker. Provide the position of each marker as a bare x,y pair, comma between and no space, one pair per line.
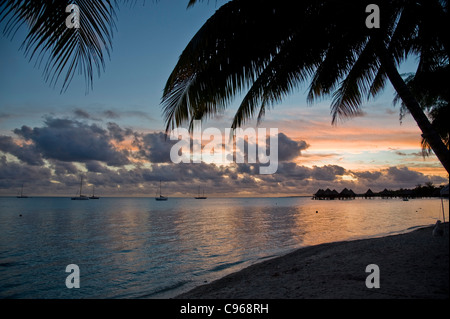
114,137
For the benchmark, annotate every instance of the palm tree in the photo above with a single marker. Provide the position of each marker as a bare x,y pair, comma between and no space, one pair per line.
267,48
432,91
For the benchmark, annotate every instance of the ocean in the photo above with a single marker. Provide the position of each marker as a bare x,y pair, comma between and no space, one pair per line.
142,248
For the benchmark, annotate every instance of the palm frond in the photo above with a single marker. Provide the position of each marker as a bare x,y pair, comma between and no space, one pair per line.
225,57
355,86
261,48
66,50
294,63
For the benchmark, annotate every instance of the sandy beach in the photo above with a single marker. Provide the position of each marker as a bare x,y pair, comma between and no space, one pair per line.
411,265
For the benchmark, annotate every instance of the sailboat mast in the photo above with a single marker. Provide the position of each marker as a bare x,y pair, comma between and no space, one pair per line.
81,184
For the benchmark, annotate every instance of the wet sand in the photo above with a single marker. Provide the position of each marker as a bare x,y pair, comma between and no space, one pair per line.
411,265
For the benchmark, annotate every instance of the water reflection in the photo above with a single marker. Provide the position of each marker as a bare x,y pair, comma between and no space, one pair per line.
131,248
344,220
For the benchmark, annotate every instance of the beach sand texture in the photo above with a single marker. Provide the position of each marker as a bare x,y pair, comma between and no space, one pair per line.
411,265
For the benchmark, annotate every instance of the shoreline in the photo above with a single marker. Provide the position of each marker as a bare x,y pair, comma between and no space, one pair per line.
411,265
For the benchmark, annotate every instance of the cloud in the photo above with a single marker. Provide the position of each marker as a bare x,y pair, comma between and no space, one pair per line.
292,171
96,167
13,174
5,116
25,153
72,141
405,175
327,172
81,113
111,114
394,178
121,161
63,168
155,147
117,133
410,154
289,149
369,176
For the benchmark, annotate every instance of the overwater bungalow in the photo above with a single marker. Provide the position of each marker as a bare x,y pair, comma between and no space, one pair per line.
404,194
369,194
347,194
326,194
319,194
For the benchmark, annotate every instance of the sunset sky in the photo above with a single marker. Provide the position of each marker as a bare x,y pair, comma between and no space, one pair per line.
113,135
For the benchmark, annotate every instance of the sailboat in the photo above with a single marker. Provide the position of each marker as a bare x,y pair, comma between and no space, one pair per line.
80,197
161,197
201,197
21,194
93,194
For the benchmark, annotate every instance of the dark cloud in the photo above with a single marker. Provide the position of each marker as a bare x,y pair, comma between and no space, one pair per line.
81,114
405,175
245,168
118,133
155,147
293,171
370,176
394,178
72,141
96,167
63,168
14,174
327,172
25,153
418,154
289,149
111,114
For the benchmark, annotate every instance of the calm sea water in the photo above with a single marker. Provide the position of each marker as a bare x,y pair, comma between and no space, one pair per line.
141,248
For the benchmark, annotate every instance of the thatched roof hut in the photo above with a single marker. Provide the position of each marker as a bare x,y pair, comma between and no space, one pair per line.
369,193
347,194
326,194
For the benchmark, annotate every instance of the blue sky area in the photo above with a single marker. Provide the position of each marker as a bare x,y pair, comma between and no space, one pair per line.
146,46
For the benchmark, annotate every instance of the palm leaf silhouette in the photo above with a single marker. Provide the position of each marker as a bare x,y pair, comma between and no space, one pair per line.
62,51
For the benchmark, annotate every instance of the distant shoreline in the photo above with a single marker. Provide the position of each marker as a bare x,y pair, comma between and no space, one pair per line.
209,197
429,191
152,197
412,265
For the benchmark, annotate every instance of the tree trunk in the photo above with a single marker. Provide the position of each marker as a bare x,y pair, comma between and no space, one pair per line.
428,132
